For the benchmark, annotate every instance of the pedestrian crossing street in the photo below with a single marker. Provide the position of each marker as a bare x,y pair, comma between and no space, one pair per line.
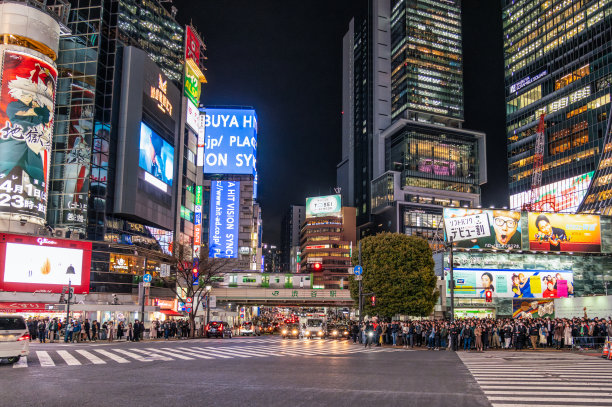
545,379
199,349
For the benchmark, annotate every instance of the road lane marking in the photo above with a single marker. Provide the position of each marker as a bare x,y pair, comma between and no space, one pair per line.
173,354
68,358
153,355
91,357
197,355
112,356
133,355
44,358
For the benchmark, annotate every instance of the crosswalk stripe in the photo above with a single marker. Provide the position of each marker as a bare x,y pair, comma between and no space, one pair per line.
581,399
112,356
197,355
44,359
91,357
210,353
527,393
153,354
546,386
23,362
173,354
68,358
133,355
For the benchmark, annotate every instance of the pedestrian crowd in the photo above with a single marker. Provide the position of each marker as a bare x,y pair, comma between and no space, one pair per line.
482,334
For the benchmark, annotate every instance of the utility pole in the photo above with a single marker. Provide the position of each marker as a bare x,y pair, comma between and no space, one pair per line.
360,290
452,281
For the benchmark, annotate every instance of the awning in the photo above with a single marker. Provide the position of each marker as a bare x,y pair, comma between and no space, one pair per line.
171,313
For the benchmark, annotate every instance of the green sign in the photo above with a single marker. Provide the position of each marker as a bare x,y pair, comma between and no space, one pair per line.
192,85
330,205
198,195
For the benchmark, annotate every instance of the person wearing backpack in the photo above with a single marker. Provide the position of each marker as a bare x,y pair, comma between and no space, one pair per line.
41,331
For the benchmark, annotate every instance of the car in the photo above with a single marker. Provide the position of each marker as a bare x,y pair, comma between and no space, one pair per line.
14,338
218,329
290,331
246,329
266,328
344,332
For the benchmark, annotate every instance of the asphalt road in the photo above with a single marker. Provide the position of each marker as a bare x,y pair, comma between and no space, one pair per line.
257,371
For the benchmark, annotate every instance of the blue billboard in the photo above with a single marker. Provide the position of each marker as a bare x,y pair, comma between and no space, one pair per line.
156,155
224,221
231,141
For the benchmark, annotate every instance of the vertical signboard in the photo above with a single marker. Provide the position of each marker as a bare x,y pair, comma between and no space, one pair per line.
224,209
201,140
27,101
197,228
192,45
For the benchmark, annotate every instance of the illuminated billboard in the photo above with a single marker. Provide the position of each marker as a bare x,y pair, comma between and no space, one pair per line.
156,155
564,233
561,196
27,102
231,141
30,263
510,283
193,81
330,205
224,219
483,229
192,116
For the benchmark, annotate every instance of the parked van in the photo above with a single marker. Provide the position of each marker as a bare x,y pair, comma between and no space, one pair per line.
14,337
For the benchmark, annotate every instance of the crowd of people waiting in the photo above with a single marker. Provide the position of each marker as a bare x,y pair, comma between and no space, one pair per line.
482,334
77,330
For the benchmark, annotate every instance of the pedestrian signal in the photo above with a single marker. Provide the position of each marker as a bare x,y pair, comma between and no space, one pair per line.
373,299
488,296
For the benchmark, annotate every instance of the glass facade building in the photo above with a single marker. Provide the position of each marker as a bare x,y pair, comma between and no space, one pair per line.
426,67
558,59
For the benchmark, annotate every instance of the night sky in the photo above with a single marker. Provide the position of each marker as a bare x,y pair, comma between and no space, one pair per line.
284,58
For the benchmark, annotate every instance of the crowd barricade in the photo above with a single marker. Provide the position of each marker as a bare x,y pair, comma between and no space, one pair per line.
588,342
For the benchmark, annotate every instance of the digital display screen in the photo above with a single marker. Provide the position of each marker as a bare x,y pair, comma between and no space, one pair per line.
495,229
561,196
231,141
30,264
224,219
559,232
156,155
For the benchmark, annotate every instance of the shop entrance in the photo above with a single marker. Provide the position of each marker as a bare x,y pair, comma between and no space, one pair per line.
475,313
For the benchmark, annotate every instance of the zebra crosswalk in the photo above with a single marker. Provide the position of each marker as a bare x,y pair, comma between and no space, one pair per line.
511,379
192,350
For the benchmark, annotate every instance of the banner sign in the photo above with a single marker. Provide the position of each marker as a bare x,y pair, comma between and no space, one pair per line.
533,309
564,233
330,205
224,219
483,229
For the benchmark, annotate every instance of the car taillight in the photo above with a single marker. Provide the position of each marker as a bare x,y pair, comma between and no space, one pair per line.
24,337
221,327
208,327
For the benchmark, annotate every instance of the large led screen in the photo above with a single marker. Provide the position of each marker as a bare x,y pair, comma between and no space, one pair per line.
509,283
561,196
32,263
27,102
483,229
231,141
330,205
558,232
156,155
224,219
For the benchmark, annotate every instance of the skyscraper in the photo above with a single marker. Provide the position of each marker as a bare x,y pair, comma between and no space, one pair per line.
405,154
558,56
290,237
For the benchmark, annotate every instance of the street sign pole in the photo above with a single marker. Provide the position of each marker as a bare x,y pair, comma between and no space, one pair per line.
452,281
360,291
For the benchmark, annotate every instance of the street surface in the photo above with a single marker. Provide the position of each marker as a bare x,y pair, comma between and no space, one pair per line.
271,371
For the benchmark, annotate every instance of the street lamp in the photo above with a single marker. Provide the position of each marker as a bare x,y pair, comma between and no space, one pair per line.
208,288
69,272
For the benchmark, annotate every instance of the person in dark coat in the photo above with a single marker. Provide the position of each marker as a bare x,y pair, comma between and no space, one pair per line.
136,331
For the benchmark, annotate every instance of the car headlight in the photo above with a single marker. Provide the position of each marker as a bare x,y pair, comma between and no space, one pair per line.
284,332
335,333
346,332
320,333
295,332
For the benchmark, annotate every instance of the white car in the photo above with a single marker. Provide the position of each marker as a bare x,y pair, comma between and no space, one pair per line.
247,329
14,337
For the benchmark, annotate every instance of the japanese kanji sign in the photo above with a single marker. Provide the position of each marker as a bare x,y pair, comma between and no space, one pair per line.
467,227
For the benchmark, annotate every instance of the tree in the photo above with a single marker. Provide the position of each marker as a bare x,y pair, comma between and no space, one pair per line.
183,276
399,270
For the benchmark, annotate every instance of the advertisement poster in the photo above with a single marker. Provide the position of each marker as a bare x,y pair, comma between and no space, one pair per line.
526,309
27,101
231,141
330,205
192,45
507,283
561,196
156,155
76,169
483,229
599,306
224,219
564,233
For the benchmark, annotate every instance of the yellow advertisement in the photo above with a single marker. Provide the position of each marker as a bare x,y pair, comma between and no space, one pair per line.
558,232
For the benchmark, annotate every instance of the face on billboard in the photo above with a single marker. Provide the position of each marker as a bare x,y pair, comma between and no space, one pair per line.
31,264
231,141
507,283
483,229
223,225
156,155
564,233
330,205
27,102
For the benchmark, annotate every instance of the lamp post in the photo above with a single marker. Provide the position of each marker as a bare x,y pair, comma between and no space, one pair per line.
208,288
69,272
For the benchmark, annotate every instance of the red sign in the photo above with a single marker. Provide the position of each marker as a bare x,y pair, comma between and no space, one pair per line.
192,46
10,307
164,304
31,263
197,235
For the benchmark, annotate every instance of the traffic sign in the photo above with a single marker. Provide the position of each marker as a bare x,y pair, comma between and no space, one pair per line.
147,278
146,284
358,278
357,270
189,300
188,309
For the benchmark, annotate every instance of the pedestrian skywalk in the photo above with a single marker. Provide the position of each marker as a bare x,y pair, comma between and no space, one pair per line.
542,379
185,351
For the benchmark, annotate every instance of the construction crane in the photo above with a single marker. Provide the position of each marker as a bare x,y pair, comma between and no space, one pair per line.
538,160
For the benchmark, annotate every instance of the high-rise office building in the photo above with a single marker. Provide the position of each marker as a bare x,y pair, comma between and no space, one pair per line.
405,153
557,57
290,237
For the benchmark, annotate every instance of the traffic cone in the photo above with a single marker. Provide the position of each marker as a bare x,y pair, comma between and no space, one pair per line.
606,350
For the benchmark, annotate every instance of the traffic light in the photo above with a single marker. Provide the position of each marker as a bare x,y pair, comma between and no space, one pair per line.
195,273
317,267
373,300
488,296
